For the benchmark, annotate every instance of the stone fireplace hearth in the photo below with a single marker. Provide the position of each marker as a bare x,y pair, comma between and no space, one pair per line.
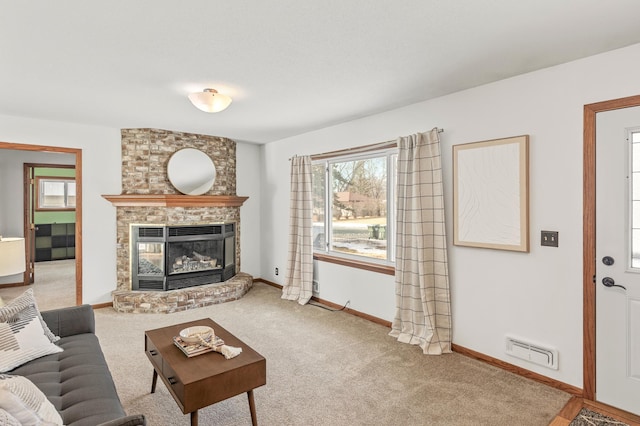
181,300
149,198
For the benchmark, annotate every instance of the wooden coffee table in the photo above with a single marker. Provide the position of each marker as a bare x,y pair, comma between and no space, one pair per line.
202,380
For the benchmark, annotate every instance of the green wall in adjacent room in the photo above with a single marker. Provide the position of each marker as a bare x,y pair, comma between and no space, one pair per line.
54,217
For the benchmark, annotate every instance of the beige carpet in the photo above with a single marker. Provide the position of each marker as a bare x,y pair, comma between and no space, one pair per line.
327,368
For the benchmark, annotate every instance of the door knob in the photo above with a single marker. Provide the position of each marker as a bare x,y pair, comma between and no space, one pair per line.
610,282
608,260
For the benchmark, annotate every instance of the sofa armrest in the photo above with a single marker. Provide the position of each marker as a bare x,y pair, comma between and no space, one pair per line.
134,420
70,321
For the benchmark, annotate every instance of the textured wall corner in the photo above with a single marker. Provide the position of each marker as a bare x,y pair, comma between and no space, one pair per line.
146,152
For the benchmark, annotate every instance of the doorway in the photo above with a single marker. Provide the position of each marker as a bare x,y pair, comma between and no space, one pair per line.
589,237
78,209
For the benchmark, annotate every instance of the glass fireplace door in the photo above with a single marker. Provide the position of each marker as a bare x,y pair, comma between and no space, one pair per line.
194,256
150,259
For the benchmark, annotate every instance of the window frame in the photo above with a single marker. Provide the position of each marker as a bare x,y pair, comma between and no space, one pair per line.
385,266
39,185
633,263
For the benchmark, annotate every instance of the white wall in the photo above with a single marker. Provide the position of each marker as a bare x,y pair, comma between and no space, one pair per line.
101,174
248,167
536,295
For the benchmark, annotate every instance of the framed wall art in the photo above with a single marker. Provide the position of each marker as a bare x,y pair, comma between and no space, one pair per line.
491,194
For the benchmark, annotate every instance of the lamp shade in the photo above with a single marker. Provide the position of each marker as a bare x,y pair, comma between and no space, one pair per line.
12,257
209,100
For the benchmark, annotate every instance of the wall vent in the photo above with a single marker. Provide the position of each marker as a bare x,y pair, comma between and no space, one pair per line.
151,232
151,285
532,352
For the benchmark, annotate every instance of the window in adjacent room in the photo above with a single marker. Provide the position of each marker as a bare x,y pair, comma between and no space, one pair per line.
354,205
56,193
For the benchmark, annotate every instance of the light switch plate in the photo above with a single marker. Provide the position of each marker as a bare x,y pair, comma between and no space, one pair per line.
549,238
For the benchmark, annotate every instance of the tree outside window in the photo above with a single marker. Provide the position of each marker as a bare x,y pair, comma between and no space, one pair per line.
358,191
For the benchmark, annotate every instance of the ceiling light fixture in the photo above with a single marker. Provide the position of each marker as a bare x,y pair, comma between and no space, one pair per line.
209,100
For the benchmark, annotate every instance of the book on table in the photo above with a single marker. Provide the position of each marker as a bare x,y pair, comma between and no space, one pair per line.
193,349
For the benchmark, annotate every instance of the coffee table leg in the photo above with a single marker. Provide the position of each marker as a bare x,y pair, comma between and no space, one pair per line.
252,408
194,418
154,381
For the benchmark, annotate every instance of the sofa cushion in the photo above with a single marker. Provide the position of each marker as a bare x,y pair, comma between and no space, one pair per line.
22,334
7,419
71,320
26,301
26,403
77,381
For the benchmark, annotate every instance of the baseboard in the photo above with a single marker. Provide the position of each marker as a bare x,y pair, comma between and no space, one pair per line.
102,305
573,390
334,306
7,285
271,283
368,317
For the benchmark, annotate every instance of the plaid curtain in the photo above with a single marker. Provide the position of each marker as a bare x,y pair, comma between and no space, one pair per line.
423,309
299,274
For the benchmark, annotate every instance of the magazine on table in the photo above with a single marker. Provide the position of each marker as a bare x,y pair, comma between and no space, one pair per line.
193,349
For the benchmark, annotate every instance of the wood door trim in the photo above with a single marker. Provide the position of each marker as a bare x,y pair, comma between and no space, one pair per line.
589,237
27,220
78,167
28,175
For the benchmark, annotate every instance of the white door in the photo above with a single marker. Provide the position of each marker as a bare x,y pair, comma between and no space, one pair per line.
617,278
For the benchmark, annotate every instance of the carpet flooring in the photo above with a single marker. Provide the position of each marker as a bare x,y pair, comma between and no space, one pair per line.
326,368
54,286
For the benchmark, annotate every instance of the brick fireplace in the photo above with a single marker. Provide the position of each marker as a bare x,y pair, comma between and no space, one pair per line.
149,198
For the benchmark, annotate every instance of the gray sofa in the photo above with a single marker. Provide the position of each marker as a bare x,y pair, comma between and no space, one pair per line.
77,381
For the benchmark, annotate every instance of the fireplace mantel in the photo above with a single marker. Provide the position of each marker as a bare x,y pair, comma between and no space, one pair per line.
173,200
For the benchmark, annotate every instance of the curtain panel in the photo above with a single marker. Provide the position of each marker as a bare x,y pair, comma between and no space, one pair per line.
423,308
299,273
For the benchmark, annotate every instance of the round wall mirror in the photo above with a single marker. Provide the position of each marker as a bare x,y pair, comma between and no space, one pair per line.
191,171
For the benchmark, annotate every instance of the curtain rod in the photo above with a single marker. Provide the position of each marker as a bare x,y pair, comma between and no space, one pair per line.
360,149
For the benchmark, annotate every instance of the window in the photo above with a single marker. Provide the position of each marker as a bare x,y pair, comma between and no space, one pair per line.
56,193
354,206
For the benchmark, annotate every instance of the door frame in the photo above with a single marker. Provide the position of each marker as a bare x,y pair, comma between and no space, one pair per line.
78,167
589,237
28,176
30,182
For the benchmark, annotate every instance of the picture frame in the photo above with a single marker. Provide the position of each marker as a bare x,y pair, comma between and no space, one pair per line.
491,194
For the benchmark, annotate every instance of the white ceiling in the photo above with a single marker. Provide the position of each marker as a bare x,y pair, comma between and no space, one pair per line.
291,66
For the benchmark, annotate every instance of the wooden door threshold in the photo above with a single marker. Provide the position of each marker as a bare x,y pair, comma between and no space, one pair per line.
575,404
